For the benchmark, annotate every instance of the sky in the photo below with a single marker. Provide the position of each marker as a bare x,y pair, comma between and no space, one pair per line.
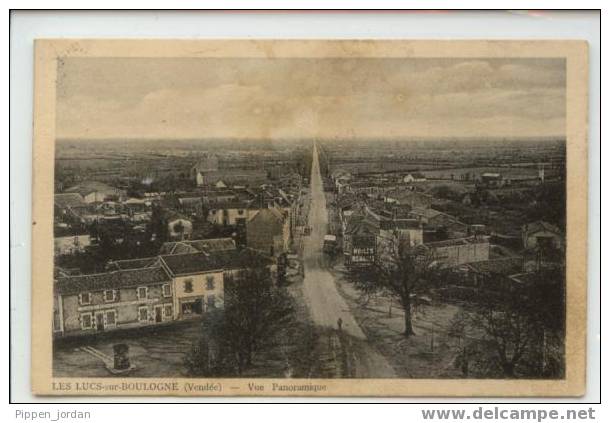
337,98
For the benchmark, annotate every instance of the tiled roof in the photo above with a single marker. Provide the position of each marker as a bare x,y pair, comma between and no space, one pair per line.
429,214
205,245
346,200
111,280
212,192
184,264
132,264
369,184
69,200
171,215
425,212
456,241
358,225
269,213
236,259
176,247
504,266
410,196
213,244
230,204
132,201
418,175
541,226
402,224
62,272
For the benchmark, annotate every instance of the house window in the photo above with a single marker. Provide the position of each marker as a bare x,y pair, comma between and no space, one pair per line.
168,311
142,292
209,283
167,290
85,298
143,314
240,212
211,301
188,286
111,318
86,321
109,295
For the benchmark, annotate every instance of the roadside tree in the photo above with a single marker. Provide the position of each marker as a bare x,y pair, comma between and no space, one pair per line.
402,271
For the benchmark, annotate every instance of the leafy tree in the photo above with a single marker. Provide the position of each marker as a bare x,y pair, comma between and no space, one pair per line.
135,189
446,192
365,281
179,229
255,310
209,356
158,224
549,204
282,264
109,234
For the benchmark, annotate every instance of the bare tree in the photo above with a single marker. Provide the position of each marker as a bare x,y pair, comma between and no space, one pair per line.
402,270
522,325
509,332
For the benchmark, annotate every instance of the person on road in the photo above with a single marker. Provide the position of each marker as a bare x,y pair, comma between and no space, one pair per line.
339,323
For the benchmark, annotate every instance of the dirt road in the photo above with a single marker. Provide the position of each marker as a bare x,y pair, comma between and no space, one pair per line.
327,306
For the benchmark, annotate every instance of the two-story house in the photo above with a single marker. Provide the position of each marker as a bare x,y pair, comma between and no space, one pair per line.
269,231
197,283
230,213
120,299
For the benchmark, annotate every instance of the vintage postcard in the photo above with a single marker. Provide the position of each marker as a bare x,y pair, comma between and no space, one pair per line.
309,218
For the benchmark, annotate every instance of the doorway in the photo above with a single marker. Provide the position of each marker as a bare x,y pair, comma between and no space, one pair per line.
99,321
158,314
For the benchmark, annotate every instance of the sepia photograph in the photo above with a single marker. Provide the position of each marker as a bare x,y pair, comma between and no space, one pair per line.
267,218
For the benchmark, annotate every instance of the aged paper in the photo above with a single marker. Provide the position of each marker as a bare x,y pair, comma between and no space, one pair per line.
309,218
